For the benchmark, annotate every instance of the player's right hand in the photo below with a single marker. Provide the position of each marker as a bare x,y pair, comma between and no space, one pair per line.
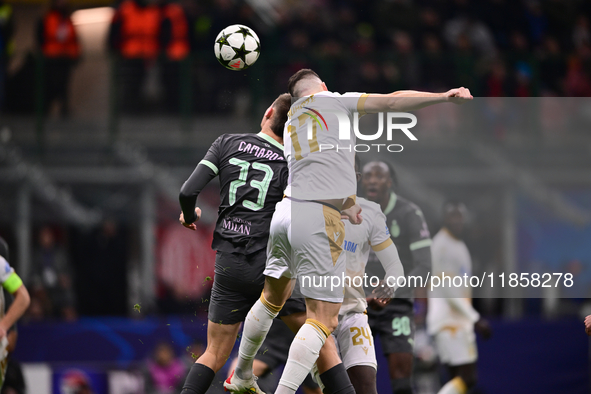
191,226
353,214
483,328
459,95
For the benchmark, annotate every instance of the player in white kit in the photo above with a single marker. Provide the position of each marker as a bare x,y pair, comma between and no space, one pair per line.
306,231
353,335
451,318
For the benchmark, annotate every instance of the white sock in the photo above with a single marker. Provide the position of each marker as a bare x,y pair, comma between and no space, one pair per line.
454,386
256,326
303,353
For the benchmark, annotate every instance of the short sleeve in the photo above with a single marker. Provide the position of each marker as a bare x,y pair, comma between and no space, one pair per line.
379,234
355,102
418,232
213,157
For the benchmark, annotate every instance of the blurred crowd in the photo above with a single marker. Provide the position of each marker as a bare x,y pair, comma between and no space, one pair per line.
75,272
495,47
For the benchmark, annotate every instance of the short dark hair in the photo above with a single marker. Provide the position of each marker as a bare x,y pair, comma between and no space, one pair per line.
298,76
281,107
4,252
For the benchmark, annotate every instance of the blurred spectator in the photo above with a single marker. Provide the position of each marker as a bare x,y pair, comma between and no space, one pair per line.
6,44
502,17
582,32
193,352
435,73
175,42
497,82
134,36
52,277
164,372
578,77
59,46
100,260
474,30
465,65
552,68
537,21
406,59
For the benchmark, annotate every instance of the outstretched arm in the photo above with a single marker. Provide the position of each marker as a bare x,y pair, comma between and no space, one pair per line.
409,100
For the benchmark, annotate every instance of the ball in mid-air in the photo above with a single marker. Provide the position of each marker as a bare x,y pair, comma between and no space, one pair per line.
237,47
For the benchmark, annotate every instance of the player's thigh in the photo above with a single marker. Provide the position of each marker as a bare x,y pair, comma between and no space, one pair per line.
237,285
279,251
456,346
295,321
317,235
325,312
355,341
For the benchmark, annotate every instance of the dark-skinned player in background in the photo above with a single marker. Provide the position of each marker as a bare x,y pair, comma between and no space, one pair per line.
394,323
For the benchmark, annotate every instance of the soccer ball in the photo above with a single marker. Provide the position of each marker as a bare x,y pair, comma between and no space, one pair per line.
237,47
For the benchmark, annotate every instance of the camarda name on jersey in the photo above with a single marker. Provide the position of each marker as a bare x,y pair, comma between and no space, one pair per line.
257,151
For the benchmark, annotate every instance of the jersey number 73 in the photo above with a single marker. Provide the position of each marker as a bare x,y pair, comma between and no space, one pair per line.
261,186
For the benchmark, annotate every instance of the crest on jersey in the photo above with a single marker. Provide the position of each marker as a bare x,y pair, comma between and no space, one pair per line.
394,229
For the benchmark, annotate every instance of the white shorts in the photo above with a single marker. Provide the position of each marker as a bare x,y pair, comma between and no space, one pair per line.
456,346
306,241
355,342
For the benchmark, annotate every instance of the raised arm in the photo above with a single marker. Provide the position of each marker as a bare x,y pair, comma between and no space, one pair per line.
409,100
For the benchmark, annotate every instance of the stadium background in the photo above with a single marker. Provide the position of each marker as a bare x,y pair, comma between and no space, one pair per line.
93,189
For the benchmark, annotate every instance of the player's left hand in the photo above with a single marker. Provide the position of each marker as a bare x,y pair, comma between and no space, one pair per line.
191,226
353,214
588,325
458,95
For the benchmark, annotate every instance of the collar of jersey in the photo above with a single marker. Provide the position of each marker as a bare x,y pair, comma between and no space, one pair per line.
270,140
391,203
